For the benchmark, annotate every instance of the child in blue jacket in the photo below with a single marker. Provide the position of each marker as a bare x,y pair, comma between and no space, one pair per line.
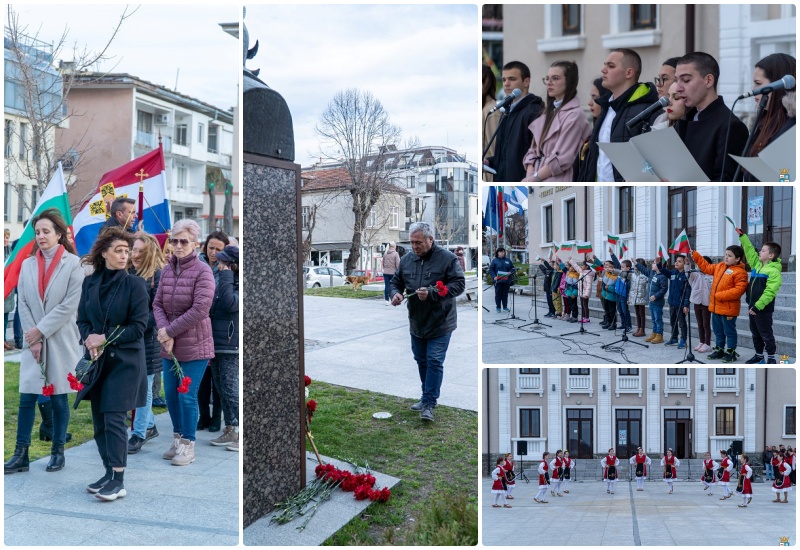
656,291
678,299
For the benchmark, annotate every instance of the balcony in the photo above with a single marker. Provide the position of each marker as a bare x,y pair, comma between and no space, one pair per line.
722,442
536,447
529,383
579,384
149,140
726,383
677,383
629,384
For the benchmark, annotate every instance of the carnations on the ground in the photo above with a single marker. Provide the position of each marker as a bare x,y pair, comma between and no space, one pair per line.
360,484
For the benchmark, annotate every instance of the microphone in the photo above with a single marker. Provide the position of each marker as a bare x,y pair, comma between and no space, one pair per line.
785,83
508,100
660,104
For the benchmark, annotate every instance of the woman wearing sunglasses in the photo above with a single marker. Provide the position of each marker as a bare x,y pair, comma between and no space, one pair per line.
181,309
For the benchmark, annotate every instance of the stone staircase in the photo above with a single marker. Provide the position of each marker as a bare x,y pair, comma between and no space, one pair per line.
784,317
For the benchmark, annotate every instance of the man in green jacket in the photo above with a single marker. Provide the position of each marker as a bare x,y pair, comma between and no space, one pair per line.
765,282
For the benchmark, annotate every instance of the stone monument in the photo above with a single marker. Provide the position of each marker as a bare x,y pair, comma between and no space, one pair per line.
272,386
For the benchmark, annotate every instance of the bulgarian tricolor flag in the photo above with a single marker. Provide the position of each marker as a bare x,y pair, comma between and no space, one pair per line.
556,248
612,239
566,246
662,252
54,196
145,174
623,248
584,248
681,244
733,223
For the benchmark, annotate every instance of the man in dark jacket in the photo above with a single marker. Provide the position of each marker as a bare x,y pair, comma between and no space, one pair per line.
621,71
513,136
705,125
122,214
433,278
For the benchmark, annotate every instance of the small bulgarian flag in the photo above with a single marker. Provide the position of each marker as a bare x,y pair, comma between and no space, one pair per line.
556,248
662,251
681,244
584,248
612,239
733,223
623,248
566,246
537,257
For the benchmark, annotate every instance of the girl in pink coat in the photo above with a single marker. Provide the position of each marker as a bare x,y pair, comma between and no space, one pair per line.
560,131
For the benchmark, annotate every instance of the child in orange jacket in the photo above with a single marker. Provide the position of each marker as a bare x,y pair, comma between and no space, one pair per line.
730,283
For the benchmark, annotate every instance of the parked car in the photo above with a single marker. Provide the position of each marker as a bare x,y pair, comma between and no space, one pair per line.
317,277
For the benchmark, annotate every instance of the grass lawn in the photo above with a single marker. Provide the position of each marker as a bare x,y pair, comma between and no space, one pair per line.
343,292
434,461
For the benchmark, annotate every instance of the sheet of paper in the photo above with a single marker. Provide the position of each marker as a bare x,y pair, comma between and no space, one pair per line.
781,154
758,168
669,157
628,162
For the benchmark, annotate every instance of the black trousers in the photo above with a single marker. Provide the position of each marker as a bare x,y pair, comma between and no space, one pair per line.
610,308
551,309
501,294
111,436
585,307
208,409
677,318
573,306
761,328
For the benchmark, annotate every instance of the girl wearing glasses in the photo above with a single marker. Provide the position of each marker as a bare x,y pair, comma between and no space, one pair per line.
559,133
181,308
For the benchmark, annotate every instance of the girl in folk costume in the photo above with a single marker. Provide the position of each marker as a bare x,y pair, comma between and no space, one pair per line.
670,464
499,484
791,458
725,469
640,461
508,469
783,482
709,477
566,475
544,479
610,474
744,486
557,467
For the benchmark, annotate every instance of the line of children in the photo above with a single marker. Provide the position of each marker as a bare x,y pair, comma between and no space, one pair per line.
609,464
641,461
709,476
499,484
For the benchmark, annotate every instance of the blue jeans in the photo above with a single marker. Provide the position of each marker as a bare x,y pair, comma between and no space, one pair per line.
724,328
429,353
17,329
657,315
624,312
144,419
27,415
182,407
769,473
386,280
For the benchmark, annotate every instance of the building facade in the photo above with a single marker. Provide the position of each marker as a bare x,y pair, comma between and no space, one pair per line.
124,117
588,411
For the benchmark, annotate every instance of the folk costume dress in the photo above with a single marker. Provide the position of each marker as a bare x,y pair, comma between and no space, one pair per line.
499,484
670,465
557,467
744,487
610,473
508,471
544,481
783,481
640,463
566,476
725,468
709,475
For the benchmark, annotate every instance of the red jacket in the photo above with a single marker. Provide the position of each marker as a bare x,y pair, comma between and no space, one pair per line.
730,284
182,305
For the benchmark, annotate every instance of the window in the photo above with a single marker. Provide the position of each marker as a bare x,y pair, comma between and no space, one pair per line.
182,177
144,122
570,19
9,134
790,427
23,140
306,216
530,371
547,220
395,219
682,213
569,215
579,372
200,129
629,372
6,195
21,192
410,182
529,423
212,138
34,198
178,215
676,372
726,424
180,134
625,209
643,16
722,372
372,220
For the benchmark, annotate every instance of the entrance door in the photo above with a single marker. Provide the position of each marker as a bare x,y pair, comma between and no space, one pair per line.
767,216
629,432
677,432
581,432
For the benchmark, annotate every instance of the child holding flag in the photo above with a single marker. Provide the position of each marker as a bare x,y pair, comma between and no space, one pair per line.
765,282
678,300
655,296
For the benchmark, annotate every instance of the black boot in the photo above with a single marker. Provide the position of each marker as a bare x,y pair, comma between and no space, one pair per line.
216,418
46,427
19,461
56,458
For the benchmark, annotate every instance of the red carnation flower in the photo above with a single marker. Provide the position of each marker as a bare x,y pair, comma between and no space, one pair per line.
351,483
74,383
185,383
311,405
362,492
385,493
47,391
441,288
308,380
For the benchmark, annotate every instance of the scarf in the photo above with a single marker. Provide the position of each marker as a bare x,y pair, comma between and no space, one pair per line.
46,274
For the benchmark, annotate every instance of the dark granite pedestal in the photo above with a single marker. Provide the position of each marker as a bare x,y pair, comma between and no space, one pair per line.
273,389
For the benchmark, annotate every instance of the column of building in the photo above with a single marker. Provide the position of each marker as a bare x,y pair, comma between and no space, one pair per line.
554,417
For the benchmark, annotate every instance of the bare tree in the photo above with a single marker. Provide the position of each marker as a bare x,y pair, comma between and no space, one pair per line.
355,129
41,99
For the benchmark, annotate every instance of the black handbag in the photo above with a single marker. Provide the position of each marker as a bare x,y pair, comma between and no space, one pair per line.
87,371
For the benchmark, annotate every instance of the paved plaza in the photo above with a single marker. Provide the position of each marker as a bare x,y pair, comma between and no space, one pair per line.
587,516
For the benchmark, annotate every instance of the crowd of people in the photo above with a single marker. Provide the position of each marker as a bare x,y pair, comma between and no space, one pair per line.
138,310
557,473
551,139
712,290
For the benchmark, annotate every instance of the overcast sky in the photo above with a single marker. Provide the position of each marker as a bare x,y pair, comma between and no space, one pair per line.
422,62
153,44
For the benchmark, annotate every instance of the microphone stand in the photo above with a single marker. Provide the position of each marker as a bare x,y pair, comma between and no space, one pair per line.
689,358
581,330
482,305
762,105
536,320
625,338
503,118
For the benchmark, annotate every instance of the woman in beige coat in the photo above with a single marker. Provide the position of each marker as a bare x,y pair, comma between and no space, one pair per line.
48,293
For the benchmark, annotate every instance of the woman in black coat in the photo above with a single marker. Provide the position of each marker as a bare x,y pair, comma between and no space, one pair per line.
113,312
